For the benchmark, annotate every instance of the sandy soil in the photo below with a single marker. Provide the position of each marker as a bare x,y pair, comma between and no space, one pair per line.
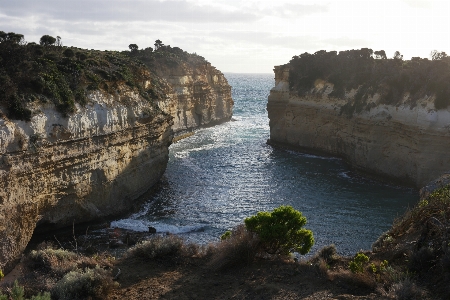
193,279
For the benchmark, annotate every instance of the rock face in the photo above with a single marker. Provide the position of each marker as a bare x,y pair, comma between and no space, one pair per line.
98,130
403,142
201,96
56,170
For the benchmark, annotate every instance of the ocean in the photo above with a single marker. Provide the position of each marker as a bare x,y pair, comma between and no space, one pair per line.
223,174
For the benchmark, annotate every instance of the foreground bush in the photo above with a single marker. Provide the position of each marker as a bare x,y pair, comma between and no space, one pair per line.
357,264
280,231
58,262
239,248
160,247
91,283
18,293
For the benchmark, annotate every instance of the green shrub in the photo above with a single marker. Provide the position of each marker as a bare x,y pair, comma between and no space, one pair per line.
1,275
91,283
357,264
45,296
17,291
226,235
280,231
68,53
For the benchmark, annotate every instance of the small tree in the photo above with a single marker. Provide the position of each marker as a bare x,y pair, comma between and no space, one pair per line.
158,44
280,231
398,56
133,47
58,41
380,54
436,55
11,37
47,40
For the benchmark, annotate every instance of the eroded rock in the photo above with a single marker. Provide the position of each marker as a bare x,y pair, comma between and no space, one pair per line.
402,142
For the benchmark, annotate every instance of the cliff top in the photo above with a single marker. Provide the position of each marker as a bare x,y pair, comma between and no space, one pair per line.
369,73
50,72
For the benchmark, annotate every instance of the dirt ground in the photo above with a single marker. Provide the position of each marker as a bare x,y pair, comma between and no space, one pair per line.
193,279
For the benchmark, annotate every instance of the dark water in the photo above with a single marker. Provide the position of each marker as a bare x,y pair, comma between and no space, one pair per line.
226,173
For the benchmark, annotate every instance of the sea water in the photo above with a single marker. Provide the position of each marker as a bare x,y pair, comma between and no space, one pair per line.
223,174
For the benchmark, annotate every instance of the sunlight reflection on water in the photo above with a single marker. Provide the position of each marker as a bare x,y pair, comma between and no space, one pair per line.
223,174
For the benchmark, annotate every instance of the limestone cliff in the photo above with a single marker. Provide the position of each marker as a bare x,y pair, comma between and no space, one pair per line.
84,133
58,170
200,94
403,141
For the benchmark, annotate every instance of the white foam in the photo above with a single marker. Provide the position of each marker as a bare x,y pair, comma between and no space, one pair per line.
312,155
142,226
345,175
130,224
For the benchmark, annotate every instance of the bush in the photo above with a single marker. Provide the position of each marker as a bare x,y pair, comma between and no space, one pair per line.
408,290
17,293
161,247
280,231
328,254
45,296
68,53
91,283
226,235
238,249
357,264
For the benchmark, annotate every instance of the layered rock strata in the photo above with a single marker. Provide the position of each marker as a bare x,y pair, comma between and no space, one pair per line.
59,170
403,142
201,96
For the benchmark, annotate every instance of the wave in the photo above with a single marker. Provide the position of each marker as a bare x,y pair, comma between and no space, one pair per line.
312,155
142,226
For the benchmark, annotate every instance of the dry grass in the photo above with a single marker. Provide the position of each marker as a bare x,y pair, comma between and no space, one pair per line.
328,254
407,290
418,244
94,283
239,249
64,272
159,247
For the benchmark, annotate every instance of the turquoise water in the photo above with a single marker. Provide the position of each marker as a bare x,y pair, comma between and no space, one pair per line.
226,173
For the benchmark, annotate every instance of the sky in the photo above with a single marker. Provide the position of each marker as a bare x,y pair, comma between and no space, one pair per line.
237,36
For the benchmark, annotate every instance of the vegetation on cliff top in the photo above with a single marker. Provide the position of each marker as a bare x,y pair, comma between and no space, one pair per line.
371,73
50,72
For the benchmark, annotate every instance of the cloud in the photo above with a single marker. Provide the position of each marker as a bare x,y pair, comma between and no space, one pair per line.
123,11
251,40
295,10
149,10
419,3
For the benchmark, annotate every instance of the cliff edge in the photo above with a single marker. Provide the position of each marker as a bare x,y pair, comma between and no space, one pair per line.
83,133
398,131
199,96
